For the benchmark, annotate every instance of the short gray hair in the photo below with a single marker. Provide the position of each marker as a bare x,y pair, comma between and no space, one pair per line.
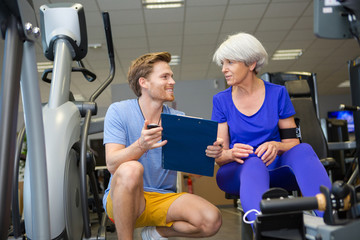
242,47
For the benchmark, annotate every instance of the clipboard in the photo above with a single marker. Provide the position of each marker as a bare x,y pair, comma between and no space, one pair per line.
188,138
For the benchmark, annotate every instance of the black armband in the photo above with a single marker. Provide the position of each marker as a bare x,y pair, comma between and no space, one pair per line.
288,133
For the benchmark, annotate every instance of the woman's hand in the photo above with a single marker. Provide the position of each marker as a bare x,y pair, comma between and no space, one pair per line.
268,152
240,151
216,149
150,138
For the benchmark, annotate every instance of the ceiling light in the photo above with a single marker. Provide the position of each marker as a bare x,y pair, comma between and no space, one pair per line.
287,54
41,66
161,1
95,45
283,57
175,60
344,84
156,4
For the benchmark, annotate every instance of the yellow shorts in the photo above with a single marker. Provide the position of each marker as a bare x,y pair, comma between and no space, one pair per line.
156,207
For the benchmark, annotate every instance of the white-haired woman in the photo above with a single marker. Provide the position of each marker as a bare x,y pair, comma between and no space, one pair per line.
257,124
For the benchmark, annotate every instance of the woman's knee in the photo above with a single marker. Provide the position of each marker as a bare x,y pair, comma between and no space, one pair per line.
227,177
254,164
128,174
303,148
302,151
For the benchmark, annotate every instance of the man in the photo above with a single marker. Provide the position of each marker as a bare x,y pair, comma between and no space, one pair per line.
141,193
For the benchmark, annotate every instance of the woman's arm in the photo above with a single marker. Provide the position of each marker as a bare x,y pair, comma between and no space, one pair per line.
238,152
288,143
269,150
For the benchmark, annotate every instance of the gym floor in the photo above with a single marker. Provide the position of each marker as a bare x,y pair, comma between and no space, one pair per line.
230,230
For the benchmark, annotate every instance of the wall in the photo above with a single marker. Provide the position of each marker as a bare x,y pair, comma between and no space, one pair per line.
331,103
192,97
195,98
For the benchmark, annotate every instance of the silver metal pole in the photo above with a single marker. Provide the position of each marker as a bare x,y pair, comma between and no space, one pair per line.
316,96
353,176
60,82
9,104
36,144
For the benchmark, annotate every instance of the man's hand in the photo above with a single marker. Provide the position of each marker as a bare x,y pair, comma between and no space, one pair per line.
150,138
216,149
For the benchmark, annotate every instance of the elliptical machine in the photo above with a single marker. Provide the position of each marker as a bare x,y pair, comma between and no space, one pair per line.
66,126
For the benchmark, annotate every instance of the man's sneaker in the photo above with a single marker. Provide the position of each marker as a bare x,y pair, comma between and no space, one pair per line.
150,233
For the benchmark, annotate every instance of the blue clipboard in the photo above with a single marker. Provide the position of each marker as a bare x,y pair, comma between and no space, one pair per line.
188,138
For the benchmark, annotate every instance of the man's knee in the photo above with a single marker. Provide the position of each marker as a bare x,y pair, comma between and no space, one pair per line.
212,222
128,175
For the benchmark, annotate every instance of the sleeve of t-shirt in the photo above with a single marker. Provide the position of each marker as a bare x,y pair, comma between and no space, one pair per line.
114,130
218,111
286,109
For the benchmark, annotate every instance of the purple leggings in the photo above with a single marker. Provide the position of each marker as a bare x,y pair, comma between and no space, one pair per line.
297,167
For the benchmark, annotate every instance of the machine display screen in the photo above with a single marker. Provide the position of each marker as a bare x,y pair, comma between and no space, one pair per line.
344,115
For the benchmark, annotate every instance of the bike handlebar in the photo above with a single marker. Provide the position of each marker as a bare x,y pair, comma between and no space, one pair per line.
86,124
108,34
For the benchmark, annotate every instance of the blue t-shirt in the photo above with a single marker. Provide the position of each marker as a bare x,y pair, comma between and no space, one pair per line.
123,124
260,127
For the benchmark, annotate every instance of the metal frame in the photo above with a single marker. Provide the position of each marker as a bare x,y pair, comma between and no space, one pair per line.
19,58
19,70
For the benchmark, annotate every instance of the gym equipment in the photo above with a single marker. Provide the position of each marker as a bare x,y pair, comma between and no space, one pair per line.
340,20
55,205
302,89
63,42
337,19
283,218
354,75
20,30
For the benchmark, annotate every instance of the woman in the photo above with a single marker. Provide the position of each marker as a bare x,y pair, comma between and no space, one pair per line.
252,114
